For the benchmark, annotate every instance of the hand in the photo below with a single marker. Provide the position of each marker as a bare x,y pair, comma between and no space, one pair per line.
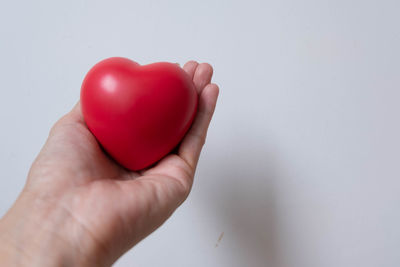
80,208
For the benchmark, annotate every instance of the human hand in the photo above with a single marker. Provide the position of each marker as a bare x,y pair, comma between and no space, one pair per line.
80,208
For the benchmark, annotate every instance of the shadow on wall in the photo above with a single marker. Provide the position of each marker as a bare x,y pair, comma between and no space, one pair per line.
245,202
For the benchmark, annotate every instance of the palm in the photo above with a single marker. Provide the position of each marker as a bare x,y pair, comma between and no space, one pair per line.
111,207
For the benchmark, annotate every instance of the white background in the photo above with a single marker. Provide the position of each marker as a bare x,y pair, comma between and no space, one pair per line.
302,163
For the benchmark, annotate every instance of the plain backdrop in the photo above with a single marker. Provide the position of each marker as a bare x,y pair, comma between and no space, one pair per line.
302,163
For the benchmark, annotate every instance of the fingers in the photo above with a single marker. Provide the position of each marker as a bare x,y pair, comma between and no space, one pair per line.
194,140
190,68
208,93
202,76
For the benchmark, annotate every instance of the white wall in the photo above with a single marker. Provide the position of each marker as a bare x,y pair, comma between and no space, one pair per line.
302,163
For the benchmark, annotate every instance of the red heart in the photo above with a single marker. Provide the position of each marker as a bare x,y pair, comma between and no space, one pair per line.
138,113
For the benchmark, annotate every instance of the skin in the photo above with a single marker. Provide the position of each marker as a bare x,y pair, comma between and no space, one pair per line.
80,208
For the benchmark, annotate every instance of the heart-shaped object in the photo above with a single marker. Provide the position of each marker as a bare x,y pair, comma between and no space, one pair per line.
138,113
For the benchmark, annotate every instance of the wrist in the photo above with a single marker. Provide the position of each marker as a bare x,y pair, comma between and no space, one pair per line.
33,233
25,241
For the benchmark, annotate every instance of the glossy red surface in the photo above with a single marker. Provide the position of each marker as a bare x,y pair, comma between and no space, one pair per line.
138,113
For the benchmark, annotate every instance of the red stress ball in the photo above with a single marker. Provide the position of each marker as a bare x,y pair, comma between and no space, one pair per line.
138,113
